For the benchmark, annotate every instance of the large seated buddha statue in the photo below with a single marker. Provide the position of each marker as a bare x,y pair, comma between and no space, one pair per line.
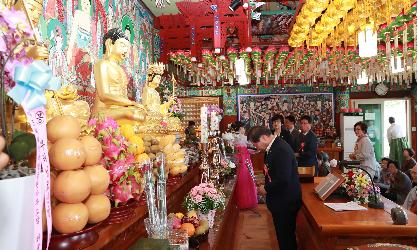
112,93
111,82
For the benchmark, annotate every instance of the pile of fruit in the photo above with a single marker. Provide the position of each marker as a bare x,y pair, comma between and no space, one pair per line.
175,155
78,180
190,223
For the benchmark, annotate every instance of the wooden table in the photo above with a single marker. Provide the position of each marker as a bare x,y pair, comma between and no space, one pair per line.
121,236
333,153
319,227
222,235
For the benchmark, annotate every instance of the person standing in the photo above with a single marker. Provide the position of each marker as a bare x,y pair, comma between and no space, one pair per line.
282,186
306,154
397,141
245,185
289,123
279,129
363,150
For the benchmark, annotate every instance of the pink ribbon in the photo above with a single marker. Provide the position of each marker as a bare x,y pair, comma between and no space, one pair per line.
37,120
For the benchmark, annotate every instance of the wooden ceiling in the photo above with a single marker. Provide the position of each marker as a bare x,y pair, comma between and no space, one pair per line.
273,28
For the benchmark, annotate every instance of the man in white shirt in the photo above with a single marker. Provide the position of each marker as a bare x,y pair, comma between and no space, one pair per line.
397,141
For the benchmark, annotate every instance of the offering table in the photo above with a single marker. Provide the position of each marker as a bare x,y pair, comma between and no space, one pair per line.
123,235
222,235
319,227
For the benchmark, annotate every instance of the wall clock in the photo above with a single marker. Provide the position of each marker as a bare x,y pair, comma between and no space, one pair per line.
381,89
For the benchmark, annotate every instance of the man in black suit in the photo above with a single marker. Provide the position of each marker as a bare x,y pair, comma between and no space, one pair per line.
308,146
278,129
289,123
282,187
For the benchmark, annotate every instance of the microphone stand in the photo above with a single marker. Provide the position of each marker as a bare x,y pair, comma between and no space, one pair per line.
375,203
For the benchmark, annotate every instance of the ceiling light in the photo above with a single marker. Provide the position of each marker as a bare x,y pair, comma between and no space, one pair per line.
235,5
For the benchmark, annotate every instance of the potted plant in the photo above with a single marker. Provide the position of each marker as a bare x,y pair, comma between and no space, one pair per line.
205,199
16,177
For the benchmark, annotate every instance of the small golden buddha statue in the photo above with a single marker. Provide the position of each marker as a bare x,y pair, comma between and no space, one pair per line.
111,81
65,102
158,117
150,97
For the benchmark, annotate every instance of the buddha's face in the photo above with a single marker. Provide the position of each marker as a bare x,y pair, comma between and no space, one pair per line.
120,49
156,81
85,5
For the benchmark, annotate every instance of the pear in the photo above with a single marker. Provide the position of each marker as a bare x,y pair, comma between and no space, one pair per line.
204,224
200,230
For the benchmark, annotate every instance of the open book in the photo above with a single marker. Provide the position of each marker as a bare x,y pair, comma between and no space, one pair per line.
328,185
349,206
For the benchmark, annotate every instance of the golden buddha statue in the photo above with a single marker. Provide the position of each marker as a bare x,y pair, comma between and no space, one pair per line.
65,102
158,117
111,81
150,97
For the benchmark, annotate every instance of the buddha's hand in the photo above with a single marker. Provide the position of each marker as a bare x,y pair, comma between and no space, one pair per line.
170,101
138,105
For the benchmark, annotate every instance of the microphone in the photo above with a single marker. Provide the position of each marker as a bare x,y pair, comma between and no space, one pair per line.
375,203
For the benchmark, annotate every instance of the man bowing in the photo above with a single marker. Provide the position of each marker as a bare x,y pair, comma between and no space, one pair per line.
282,187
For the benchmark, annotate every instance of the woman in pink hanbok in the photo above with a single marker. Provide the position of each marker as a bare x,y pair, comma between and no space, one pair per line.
245,185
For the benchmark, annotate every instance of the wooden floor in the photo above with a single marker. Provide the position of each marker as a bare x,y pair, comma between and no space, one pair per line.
255,231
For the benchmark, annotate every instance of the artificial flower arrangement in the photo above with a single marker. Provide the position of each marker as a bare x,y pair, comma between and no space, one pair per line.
358,185
14,44
227,166
216,109
176,109
125,176
229,138
203,198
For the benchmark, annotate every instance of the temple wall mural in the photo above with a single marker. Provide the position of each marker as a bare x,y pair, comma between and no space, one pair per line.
73,31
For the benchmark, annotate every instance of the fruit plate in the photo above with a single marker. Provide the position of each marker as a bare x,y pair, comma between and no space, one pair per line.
194,244
122,213
199,238
78,240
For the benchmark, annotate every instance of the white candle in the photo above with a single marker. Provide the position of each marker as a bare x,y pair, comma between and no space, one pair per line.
204,124
214,121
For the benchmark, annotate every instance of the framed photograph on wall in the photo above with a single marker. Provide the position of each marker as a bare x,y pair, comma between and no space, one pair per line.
257,110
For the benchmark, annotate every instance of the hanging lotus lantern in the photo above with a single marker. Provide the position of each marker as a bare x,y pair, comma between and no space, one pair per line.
269,59
245,55
232,56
